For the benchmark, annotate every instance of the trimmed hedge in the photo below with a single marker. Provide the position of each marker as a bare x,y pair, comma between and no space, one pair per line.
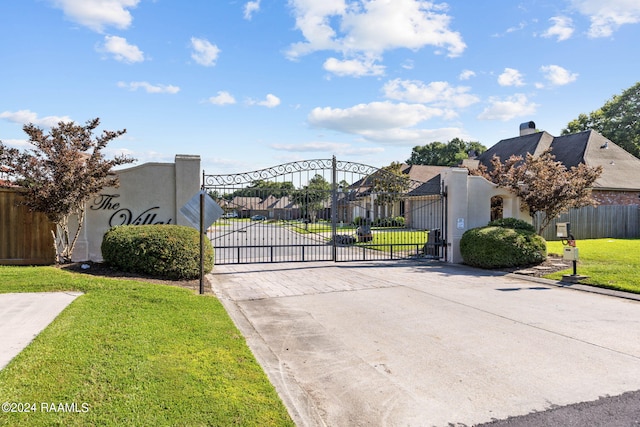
397,221
514,223
170,251
499,247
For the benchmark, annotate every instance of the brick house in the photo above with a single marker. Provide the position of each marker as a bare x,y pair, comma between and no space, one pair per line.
619,183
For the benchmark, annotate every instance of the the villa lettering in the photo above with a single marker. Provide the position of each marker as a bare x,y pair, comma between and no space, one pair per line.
125,216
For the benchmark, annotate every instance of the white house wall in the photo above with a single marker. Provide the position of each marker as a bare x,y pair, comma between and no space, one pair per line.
469,206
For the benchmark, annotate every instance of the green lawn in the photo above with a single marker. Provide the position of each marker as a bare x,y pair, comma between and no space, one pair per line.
609,263
137,354
318,227
384,237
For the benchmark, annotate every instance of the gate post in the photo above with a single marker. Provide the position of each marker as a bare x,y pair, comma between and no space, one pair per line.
334,207
455,181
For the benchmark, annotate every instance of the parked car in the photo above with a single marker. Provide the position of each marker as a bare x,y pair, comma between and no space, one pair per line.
232,214
258,218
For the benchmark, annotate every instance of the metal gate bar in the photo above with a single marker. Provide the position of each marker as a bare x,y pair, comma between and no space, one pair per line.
306,211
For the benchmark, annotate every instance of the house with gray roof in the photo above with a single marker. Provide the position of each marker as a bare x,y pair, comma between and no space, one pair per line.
617,190
619,183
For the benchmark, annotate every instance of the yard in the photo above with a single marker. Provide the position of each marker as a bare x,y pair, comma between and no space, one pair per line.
135,353
609,263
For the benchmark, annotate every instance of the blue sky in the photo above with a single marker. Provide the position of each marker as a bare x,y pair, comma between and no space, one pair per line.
252,84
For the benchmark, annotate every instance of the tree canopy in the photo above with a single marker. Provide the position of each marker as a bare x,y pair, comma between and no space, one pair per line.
263,189
64,169
450,154
543,184
312,197
617,120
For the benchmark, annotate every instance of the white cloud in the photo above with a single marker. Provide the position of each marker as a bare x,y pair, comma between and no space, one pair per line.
372,116
149,88
562,28
250,8
98,14
17,143
436,93
411,137
353,67
204,53
510,77
322,146
121,50
557,75
608,16
383,122
466,74
508,108
373,27
408,64
270,101
24,117
222,98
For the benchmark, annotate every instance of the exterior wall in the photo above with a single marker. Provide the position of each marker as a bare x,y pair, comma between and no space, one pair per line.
152,193
469,206
612,197
423,212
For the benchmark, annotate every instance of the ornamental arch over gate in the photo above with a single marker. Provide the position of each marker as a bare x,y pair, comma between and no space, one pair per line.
326,210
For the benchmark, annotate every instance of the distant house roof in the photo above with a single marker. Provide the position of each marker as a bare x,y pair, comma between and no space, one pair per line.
422,173
425,179
620,169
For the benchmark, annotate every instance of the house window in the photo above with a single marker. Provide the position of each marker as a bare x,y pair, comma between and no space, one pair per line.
497,207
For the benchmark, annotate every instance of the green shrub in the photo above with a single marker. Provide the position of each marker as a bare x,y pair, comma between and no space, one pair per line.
170,251
514,223
397,221
498,247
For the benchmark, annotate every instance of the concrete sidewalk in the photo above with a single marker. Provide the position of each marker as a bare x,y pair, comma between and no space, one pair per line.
25,315
427,344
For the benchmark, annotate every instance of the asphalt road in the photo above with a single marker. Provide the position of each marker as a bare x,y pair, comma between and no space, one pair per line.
616,411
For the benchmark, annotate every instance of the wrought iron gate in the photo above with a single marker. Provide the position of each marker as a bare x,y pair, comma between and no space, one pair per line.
325,210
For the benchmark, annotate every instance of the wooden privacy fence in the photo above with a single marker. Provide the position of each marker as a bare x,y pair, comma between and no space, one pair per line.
25,236
614,221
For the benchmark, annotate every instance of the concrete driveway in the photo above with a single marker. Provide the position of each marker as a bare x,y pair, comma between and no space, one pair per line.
426,344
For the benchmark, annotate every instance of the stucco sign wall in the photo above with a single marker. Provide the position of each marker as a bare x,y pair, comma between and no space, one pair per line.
151,193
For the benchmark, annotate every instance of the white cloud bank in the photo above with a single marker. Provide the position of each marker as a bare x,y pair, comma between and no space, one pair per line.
323,146
435,93
24,117
608,16
367,29
98,14
508,108
383,122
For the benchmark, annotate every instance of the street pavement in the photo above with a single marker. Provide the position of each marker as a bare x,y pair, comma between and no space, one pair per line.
24,315
420,343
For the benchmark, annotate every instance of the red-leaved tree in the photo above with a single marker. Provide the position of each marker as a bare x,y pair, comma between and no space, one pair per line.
543,184
64,169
